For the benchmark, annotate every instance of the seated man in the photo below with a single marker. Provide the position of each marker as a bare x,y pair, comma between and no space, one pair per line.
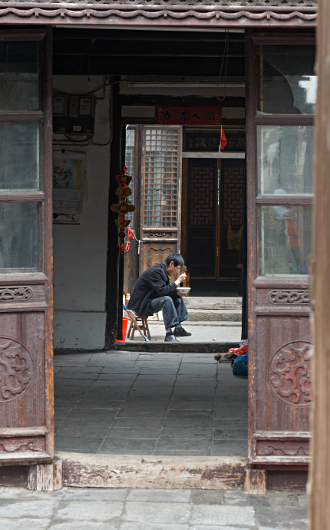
153,292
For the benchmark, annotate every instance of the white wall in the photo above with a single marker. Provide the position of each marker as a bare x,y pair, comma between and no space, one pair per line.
80,252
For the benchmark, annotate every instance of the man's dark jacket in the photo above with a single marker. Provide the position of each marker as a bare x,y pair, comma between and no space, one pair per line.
153,283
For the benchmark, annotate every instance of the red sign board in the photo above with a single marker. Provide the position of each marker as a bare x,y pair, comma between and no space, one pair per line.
188,116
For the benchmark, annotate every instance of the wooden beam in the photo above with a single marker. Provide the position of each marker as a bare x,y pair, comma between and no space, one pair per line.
183,101
320,470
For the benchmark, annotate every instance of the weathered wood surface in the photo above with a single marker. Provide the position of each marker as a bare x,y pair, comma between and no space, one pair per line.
278,307
117,471
255,482
320,471
46,477
26,303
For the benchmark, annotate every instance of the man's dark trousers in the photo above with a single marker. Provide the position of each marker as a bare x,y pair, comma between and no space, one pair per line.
174,311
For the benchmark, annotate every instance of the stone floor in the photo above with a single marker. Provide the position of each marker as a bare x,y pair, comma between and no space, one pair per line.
207,331
164,404
121,509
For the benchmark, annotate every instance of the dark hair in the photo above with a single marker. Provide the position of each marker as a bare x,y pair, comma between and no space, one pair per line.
176,258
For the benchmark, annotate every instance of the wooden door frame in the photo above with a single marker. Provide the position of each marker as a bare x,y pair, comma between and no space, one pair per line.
320,468
255,283
22,437
186,155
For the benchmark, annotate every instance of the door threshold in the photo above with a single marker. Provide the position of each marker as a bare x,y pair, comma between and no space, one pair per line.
181,347
83,470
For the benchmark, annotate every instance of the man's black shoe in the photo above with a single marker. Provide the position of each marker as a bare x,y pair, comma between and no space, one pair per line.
169,337
180,332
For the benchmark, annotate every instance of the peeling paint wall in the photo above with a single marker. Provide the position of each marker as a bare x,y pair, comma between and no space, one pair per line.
80,252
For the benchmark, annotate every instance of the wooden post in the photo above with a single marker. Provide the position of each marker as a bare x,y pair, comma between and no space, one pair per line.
320,468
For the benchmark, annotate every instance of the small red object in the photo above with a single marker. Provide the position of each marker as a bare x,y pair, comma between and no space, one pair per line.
223,140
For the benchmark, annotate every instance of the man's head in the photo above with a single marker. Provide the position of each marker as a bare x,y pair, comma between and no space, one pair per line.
173,264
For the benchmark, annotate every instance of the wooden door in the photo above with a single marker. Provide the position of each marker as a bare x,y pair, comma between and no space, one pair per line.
279,187
232,204
202,217
26,349
160,216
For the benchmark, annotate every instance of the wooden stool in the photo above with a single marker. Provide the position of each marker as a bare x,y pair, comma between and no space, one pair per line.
143,327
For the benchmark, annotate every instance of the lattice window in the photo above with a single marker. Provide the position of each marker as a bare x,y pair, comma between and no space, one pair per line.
161,177
130,163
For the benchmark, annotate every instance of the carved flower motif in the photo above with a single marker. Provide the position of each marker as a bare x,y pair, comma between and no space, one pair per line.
16,369
290,376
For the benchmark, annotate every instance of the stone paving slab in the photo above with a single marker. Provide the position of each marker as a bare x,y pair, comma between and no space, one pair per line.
126,509
161,403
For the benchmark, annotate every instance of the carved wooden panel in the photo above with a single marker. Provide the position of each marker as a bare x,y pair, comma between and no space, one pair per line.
16,445
20,293
283,448
290,373
22,369
289,297
283,383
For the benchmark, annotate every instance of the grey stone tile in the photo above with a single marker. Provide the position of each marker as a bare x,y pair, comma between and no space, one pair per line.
177,404
96,415
19,494
283,498
81,525
91,428
128,446
224,423
24,523
153,526
139,423
302,501
236,498
222,515
207,497
159,371
77,375
183,382
94,494
133,433
187,432
77,444
142,412
104,402
288,518
160,495
196,443
116,377
175,452
120,369
230,433
90,510
229,448
156,377
212,527
156,512
40,509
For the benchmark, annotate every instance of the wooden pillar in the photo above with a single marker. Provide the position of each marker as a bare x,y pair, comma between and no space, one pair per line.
113,297
320,468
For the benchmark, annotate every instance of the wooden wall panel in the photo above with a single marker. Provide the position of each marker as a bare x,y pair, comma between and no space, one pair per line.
22,369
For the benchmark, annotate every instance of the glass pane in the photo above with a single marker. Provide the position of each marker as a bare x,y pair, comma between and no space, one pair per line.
130,163
288,84
20,243
19,156
19,75
285,234
285,160
160,178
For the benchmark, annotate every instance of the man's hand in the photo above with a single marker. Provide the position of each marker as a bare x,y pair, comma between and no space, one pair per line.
181,278
182,295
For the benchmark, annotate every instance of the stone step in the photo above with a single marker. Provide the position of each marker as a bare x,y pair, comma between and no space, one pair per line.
233,315
208,302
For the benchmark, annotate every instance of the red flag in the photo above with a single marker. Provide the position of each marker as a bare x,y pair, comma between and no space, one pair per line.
223,140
